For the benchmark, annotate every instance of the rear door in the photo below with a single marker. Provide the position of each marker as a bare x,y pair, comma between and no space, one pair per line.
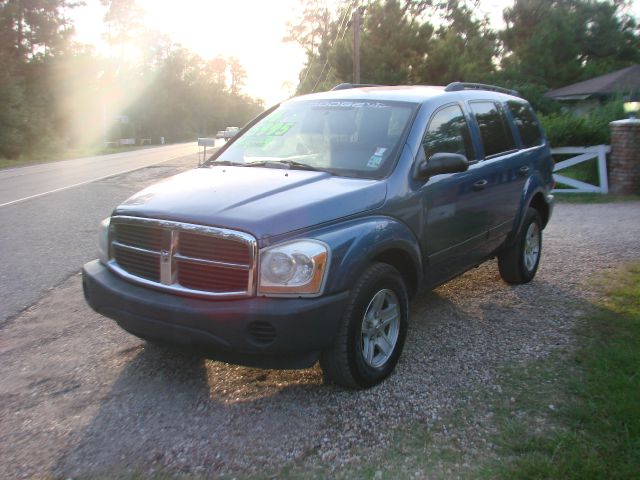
503,168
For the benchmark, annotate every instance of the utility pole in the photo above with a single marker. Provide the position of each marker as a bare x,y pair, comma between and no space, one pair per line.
356,43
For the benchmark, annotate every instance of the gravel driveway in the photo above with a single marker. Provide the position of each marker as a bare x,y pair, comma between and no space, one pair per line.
79,397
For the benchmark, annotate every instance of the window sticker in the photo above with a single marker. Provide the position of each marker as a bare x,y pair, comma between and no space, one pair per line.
376,158
265,133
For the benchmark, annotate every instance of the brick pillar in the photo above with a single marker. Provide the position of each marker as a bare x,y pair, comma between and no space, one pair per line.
624,162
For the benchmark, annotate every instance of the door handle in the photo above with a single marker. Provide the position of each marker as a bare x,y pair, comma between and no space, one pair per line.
523,170
480,184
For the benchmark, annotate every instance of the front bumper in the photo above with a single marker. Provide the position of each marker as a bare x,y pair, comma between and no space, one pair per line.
257,331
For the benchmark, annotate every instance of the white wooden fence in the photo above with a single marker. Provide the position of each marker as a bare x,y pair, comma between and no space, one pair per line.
598,152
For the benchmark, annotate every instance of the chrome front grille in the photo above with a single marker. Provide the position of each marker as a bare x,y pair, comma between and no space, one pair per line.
185,258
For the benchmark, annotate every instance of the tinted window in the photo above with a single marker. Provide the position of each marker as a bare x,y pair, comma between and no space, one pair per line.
527,124
494,130
448,132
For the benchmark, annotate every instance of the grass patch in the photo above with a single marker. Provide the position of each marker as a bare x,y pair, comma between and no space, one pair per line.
593,198
597,432
584,172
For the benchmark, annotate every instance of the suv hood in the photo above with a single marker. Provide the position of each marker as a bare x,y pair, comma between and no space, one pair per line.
261,201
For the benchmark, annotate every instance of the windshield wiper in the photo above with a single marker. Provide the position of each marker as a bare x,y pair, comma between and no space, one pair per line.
225,163
292,164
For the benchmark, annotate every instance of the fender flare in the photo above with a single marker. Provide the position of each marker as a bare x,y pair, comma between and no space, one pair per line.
532,188
356,243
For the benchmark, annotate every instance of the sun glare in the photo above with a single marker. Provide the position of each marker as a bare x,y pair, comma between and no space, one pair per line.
249,30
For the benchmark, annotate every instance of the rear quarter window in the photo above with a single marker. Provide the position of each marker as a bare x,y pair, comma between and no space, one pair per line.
494,129
527,124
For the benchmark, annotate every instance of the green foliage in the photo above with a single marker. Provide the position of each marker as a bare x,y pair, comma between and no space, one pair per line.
567,129
387,31
556,43
57,96
462,50
545,44
12,114
397,45
600,435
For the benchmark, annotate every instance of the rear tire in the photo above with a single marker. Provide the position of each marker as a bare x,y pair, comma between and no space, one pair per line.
519,262
372,330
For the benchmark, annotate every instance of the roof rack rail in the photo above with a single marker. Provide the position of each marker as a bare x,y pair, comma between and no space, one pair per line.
457,86
345,86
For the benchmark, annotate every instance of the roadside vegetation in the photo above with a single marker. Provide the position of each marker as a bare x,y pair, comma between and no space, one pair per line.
68,154
594,198
59,97
564,129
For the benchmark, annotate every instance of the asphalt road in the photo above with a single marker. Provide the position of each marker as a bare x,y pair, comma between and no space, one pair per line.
46,238
23,183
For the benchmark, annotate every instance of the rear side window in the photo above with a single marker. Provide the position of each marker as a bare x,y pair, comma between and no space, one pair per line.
527,124
448,132
494,130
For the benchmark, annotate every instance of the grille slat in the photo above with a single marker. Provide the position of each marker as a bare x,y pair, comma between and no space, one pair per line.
211,248
140,236
212,244
140,264
200,277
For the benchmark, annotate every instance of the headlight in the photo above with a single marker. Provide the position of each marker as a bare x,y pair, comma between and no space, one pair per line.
103,240
295,268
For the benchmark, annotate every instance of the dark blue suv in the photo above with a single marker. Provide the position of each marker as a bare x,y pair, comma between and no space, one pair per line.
304,238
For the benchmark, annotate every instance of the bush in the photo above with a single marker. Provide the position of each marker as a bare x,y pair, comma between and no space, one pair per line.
567,129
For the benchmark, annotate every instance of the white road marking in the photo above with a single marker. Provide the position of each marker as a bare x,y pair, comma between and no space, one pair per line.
66,187
72,186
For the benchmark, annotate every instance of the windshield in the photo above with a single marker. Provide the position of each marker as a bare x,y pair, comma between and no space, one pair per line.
352,138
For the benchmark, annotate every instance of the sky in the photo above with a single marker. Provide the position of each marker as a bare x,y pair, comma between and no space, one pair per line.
250,30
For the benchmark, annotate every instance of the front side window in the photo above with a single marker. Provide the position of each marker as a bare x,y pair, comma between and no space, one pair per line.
345,137
527,124
448,132
494,130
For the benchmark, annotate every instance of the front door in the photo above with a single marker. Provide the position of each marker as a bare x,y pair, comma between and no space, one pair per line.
455,218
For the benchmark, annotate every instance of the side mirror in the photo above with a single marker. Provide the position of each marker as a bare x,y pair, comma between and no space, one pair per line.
439,163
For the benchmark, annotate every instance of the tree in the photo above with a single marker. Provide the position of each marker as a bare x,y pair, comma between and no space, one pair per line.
463,48
392,45
33,35
558,42
124,24
12,113
238,75
313,31
34,27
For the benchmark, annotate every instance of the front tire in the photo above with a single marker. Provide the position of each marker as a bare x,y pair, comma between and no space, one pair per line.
372,331
518,263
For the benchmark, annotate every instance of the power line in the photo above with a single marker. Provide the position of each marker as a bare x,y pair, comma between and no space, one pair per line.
344,24
331,68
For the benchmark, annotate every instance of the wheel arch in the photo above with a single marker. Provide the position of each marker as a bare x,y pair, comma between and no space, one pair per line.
540,204
401,261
